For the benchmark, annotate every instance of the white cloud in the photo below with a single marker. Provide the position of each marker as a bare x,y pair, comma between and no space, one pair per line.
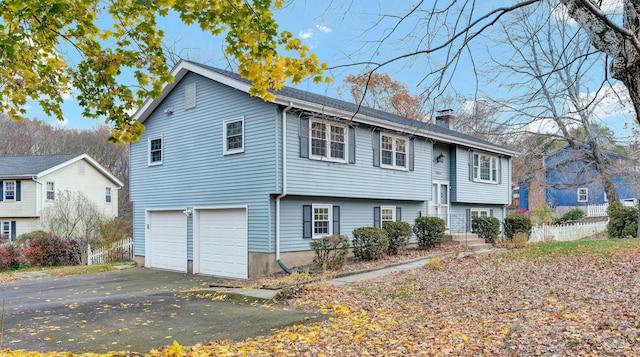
323,28
60,123
306,34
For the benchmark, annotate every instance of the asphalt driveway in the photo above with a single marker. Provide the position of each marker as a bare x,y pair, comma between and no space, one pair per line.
130,310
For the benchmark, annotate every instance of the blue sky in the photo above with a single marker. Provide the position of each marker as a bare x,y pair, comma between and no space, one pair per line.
341,33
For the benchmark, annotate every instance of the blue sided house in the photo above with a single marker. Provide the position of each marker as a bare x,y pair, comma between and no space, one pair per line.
226,184
565,180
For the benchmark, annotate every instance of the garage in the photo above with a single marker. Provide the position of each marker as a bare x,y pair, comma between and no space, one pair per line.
166,243
220,242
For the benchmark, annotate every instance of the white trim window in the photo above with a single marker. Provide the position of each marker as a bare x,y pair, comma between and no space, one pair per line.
583,194
328,141
155,150
481,212
322,220
485,168
6,229
393,151
387,214
9,190
107,194
233,134
51,191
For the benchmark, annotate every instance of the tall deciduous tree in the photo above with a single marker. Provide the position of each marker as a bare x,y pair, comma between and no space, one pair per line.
53,48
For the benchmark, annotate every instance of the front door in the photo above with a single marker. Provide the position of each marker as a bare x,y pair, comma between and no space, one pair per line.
439,204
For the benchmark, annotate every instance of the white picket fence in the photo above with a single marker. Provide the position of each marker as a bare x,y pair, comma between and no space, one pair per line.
597,210
566,232
121,250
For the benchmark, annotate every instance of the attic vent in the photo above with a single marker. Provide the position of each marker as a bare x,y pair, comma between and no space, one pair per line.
190,96
81,169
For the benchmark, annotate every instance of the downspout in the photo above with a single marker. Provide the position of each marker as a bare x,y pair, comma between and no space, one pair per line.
42,197
284,178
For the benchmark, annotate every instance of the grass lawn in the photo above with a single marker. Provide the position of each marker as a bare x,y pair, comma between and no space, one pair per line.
550,299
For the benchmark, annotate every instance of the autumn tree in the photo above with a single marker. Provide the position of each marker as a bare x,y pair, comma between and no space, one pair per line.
53,48
380,91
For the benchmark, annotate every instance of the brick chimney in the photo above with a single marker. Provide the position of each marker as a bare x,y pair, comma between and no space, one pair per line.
445,118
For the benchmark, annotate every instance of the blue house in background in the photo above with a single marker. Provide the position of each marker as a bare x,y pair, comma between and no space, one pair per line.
227,184
565,179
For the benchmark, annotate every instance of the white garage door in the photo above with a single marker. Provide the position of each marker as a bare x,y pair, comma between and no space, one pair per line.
222,242
167,240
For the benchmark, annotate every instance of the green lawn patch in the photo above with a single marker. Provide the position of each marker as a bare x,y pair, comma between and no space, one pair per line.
604,248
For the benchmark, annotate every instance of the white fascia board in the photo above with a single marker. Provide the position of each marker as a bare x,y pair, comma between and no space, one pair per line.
388,125
91,161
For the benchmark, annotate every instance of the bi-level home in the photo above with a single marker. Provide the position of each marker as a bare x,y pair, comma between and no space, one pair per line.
226,184
28,184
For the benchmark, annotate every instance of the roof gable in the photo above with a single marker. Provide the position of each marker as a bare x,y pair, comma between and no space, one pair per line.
317,103
35,166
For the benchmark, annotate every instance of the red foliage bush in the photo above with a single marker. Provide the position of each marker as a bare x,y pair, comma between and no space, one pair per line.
10,257
51,250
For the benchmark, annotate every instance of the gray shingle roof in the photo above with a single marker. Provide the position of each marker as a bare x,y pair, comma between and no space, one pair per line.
352,107
25,166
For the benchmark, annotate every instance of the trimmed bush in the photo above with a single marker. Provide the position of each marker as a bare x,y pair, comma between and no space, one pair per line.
623,221
11,257
575,214
398,233
369,243
51,250
430,231
24,239
517,223
330,251
487,228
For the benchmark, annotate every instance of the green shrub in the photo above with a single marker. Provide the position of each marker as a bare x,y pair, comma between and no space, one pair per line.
623,221
330,251
11,257
575,214
369,243
398,233
517,223
429,231
51,250
487,228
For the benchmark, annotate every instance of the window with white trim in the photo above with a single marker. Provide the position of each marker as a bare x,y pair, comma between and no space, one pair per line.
9,190
322,220
233,133
485,168
51,191
328,141
155,150
393,151
475,213
387,214
605,197
583,194
6,229
107,194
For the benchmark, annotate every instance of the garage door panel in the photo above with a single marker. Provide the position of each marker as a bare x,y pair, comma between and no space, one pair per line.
168,240
223,249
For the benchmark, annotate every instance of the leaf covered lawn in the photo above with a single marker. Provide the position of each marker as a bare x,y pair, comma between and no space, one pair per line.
549,303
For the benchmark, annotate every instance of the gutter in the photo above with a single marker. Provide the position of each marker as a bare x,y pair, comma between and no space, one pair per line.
284,178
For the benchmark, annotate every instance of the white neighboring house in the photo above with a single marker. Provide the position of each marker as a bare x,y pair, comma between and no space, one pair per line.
28,184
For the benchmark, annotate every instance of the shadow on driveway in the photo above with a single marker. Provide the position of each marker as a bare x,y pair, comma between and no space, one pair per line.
132,310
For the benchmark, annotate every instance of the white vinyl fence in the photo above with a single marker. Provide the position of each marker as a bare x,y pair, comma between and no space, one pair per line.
121,250
597,210
566,232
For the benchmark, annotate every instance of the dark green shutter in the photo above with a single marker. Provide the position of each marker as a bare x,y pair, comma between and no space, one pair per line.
411,154
376,217
304,138
18,195
1,190
352,145
307,222
13,230
336,220
376,148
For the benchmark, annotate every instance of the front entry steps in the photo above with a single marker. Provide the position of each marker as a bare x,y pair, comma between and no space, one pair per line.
470,242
